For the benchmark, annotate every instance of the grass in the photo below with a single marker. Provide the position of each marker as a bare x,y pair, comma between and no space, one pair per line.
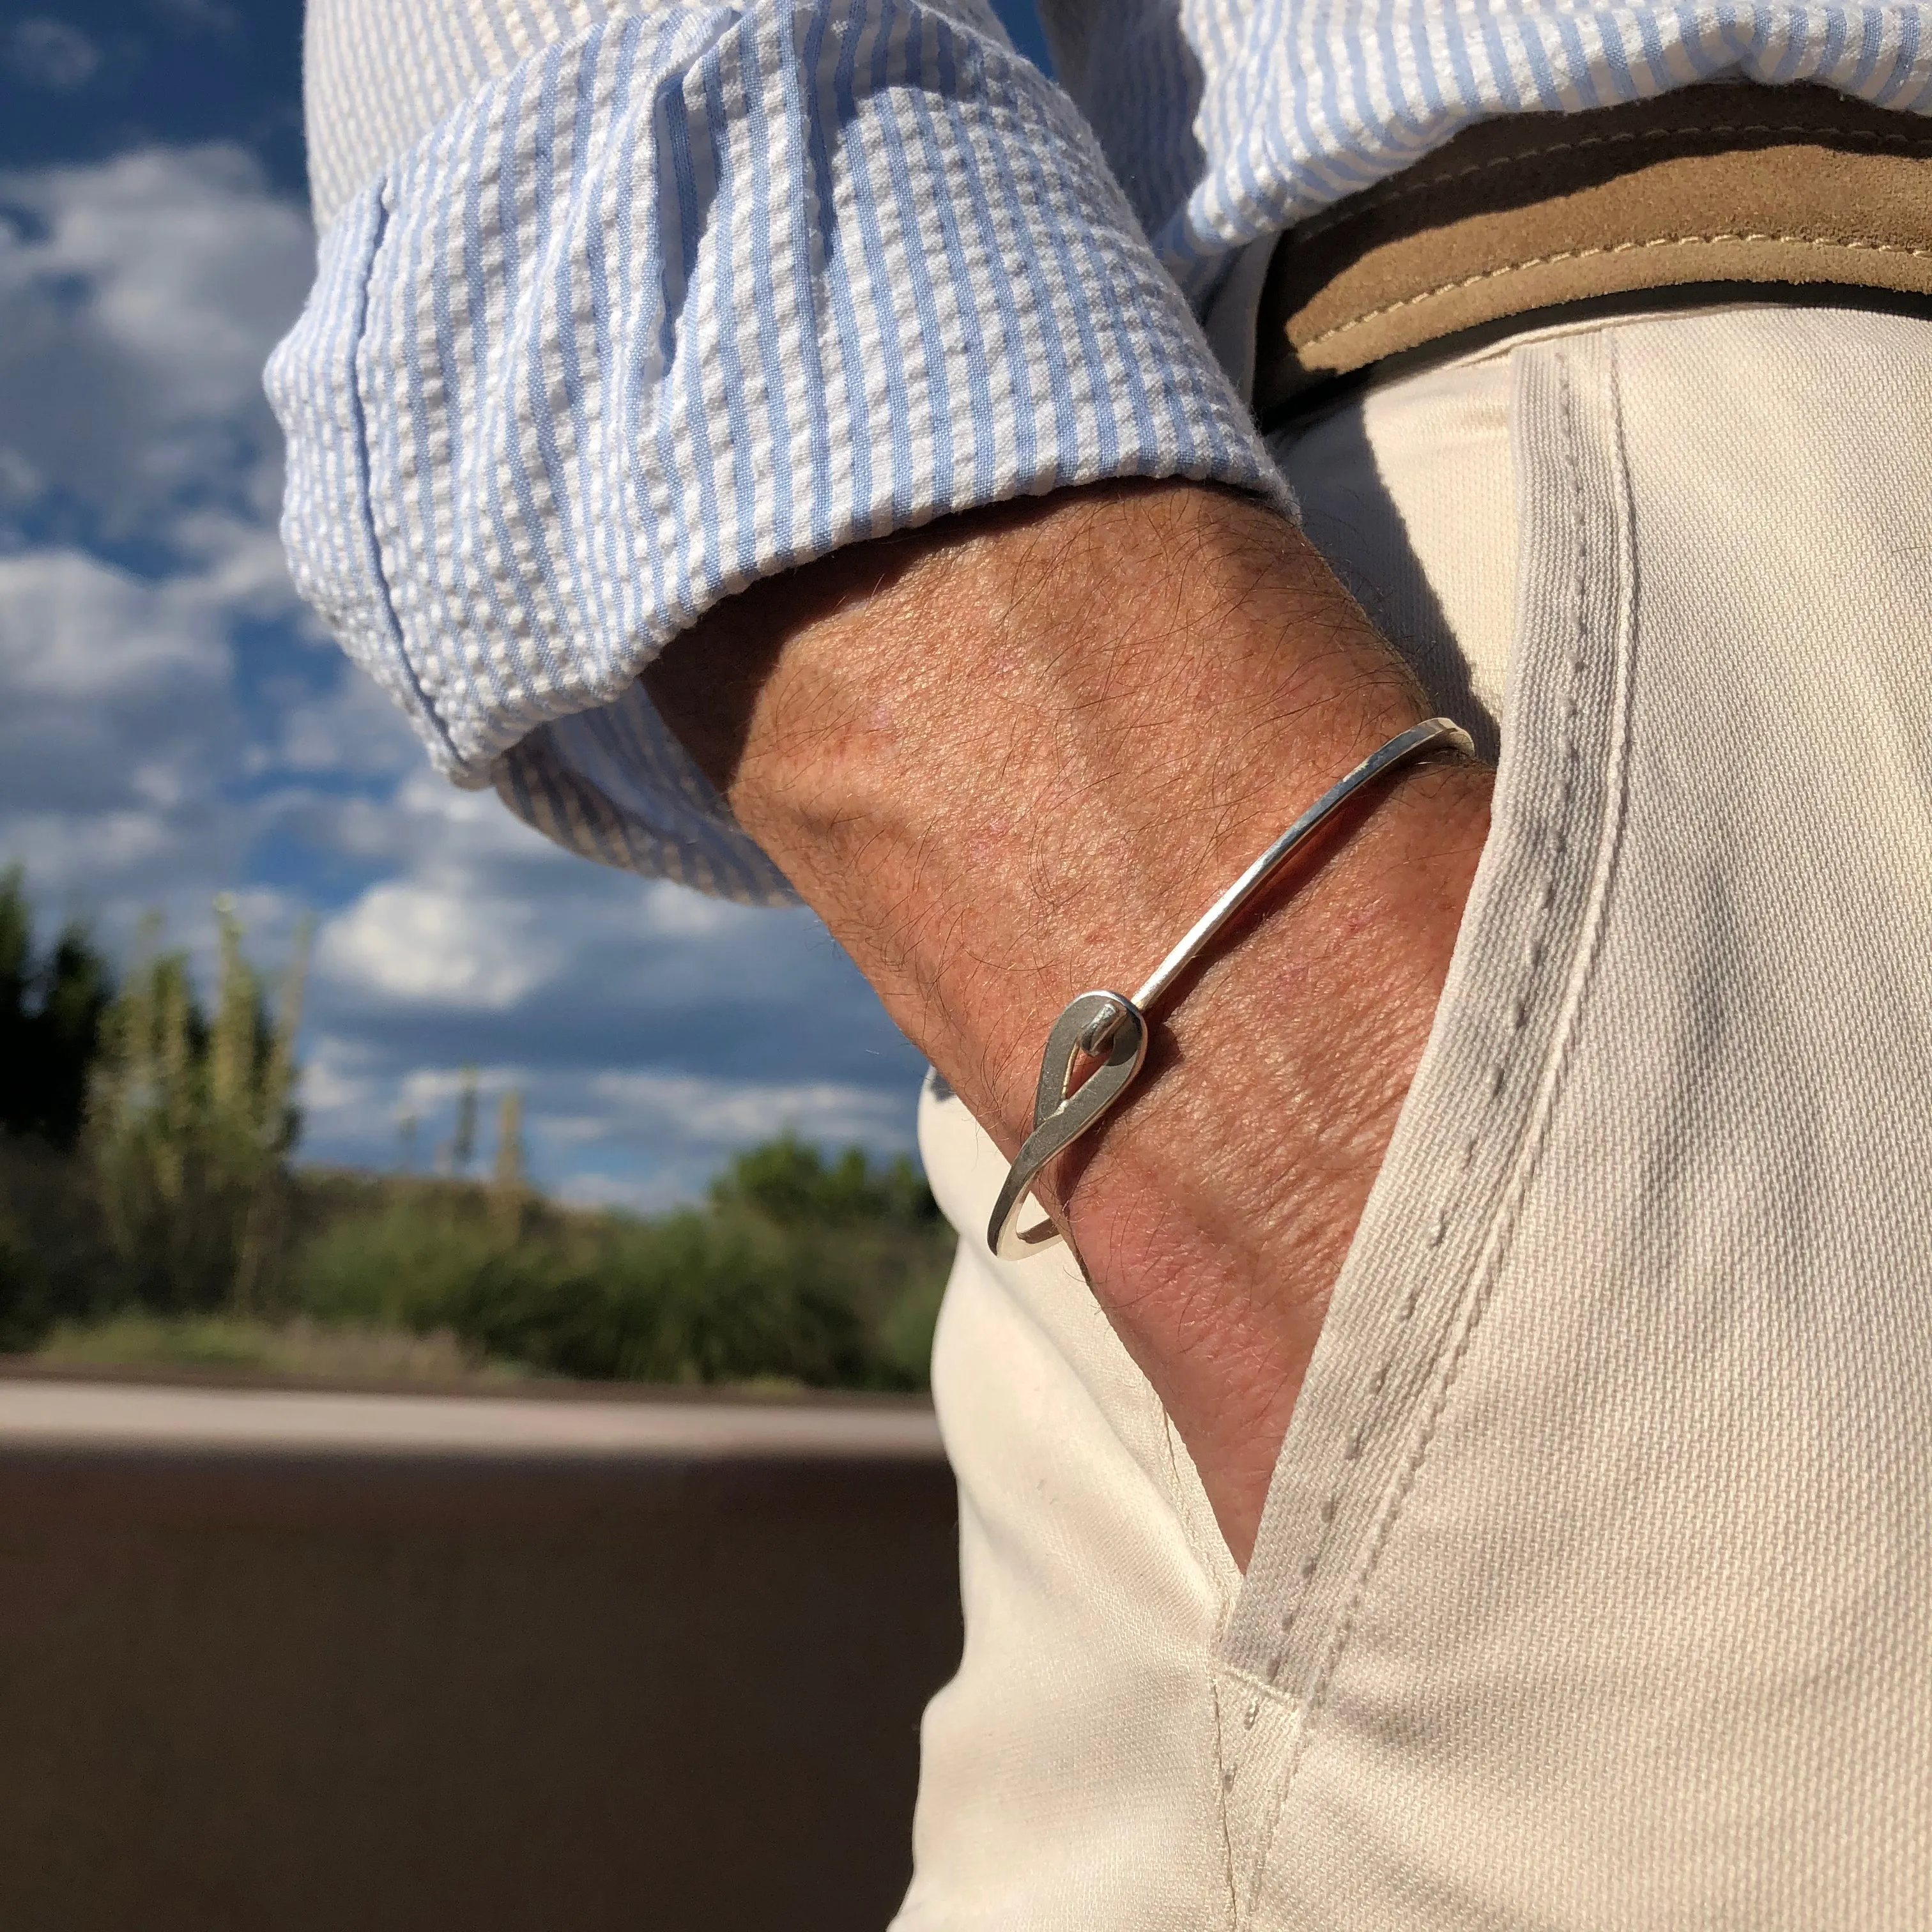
301,1349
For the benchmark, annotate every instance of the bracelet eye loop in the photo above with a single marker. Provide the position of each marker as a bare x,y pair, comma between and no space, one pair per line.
1107,1023
1060,1117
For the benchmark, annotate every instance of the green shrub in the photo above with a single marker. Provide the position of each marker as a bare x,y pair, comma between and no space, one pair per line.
405,1262
727,1293
24,1313
905,1331
693,1297
689,1298
55,1262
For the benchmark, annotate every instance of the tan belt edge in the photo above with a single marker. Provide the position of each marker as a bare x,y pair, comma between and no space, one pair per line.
1714,184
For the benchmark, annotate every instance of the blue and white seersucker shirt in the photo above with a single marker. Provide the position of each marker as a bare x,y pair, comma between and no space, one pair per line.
623,304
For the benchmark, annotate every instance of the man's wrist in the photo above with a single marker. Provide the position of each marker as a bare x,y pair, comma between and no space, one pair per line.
1235,1177
1014,758
998,755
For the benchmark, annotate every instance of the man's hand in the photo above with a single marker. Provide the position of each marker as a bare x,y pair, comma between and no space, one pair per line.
1013,756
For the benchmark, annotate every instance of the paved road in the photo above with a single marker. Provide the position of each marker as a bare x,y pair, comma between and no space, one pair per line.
63,1414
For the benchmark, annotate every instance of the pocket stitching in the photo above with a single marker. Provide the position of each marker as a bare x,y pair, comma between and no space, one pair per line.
1446,1366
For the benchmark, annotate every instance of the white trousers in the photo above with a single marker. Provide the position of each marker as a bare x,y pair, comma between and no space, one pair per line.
1595,1585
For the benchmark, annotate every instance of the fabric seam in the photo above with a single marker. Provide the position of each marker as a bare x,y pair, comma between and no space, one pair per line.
1855,244
1375,1410
1222,1781
1185,1515
365,478
1448,1360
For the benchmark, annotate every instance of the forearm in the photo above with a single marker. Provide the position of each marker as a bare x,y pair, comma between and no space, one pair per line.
1012,757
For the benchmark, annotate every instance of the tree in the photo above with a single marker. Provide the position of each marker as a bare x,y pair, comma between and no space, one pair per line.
791,1182
51,1013
509,1180
460,1150
191,1122
16,943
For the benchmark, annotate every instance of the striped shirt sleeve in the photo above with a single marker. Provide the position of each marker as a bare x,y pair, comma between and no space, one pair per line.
687,297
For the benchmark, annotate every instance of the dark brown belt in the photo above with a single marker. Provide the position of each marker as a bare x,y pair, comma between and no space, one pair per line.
1714,184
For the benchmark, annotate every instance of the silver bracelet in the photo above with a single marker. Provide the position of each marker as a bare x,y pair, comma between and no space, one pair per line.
1110,1024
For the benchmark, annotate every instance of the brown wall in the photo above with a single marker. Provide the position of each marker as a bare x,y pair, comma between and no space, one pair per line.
391,1690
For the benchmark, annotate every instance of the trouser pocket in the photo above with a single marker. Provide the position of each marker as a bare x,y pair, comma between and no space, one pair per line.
1414,1283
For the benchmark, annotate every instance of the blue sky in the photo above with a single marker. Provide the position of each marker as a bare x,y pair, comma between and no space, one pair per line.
173,726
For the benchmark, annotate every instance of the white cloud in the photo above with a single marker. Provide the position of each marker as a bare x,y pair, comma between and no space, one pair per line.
478,912
637,1138
673,913
667,1188
160,732
682,1126
352,730
76,855
122,736
117,724
419,941
139,300
50,53
72,627
732,1113
351,1091
339,1083
237,562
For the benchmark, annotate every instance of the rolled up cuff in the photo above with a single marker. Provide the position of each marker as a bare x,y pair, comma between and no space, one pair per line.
683,302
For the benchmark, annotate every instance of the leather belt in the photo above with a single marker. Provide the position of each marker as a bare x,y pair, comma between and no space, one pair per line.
1721,183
